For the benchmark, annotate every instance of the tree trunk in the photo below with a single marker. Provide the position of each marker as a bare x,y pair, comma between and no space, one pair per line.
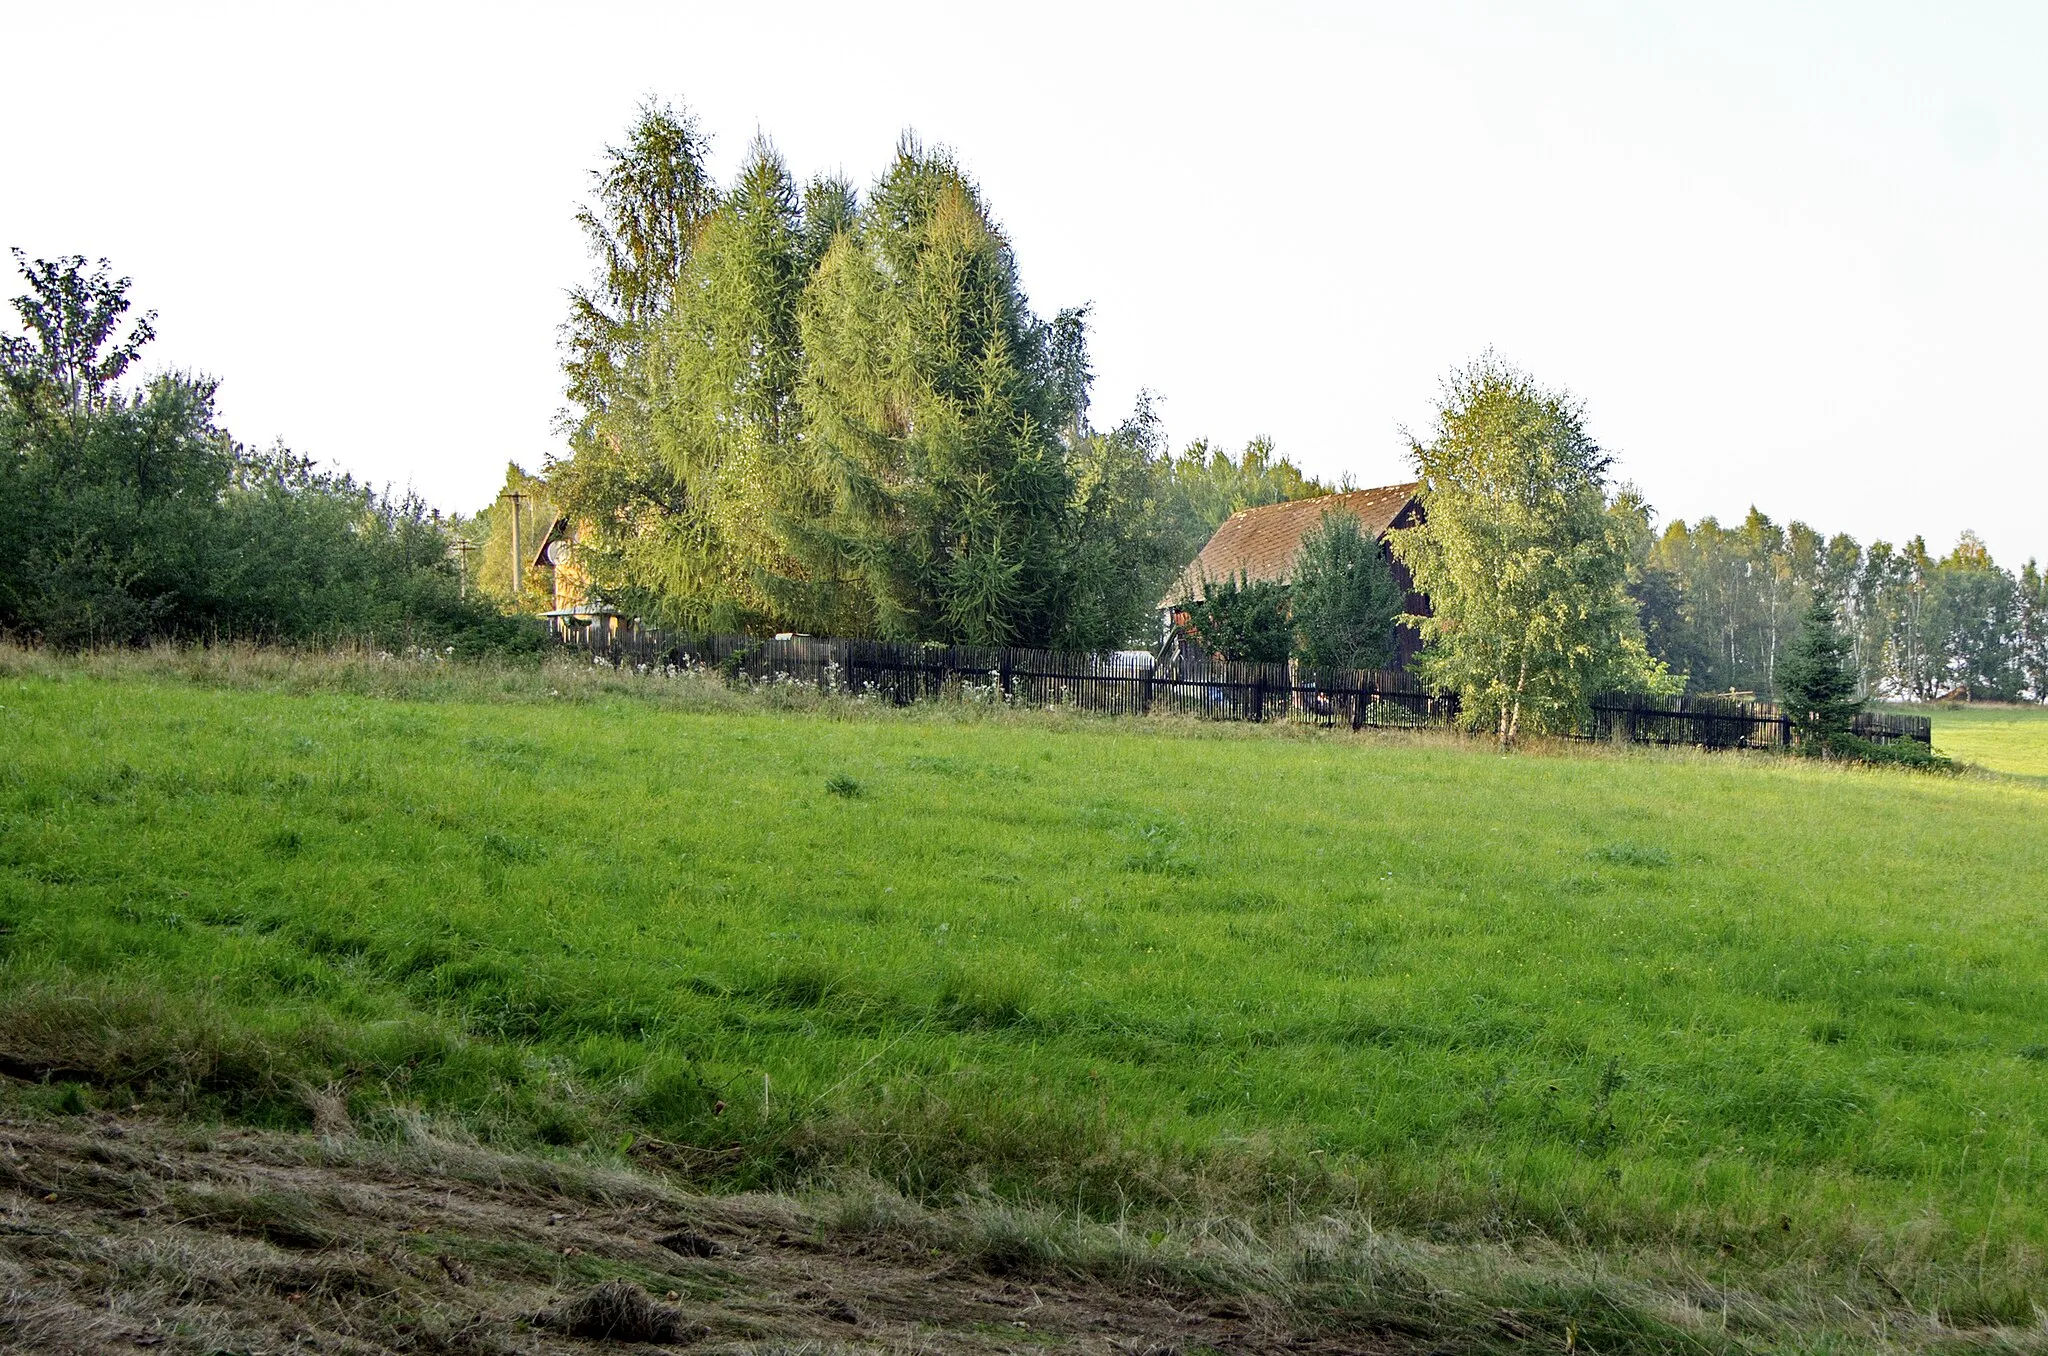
1511,714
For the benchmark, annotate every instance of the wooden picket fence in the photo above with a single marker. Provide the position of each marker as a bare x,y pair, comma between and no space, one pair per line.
1138,684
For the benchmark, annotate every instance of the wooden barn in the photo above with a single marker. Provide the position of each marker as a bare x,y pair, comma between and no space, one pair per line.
1263,543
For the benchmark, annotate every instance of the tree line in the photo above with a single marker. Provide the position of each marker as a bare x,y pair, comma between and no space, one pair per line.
809,408
803,406
1722,604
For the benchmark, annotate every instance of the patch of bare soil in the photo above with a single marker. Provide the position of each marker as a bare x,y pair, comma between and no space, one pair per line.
131,1234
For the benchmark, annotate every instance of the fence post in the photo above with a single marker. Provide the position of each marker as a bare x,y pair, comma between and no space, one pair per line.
1259,694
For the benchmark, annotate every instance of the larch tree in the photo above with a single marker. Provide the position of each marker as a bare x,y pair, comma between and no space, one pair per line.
937,404
652,196
724,374
1523,556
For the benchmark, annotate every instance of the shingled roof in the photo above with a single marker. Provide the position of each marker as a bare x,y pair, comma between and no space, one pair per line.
1261,543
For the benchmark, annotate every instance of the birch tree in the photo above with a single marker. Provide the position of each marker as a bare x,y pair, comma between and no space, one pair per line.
1524,557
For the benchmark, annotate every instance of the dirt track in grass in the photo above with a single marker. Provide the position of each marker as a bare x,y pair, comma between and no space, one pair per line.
125,1233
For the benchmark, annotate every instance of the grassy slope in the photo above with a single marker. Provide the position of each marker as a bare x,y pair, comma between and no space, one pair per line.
1757,1015
2011,739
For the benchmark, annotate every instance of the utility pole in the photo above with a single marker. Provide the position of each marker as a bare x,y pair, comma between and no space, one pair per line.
463,546
518,561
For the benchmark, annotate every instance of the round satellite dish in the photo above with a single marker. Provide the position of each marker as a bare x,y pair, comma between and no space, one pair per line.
558,553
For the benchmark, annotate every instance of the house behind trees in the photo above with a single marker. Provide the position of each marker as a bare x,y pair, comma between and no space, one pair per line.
1261,545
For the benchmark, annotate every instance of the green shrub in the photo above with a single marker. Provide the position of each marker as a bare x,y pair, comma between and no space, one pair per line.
1907,753
134,516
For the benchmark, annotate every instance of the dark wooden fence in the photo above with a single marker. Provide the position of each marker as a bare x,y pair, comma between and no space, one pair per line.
1136,684
1114,684
1719,723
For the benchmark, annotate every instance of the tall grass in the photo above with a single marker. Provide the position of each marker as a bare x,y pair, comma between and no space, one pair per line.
1746,1018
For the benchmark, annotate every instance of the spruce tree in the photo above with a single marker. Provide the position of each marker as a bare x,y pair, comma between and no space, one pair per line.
1817,681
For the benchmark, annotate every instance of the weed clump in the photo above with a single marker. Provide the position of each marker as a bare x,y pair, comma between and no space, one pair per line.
1632,854
843,786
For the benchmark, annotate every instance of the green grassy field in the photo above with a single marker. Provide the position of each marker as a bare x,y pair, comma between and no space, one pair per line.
2011,739
1751,1021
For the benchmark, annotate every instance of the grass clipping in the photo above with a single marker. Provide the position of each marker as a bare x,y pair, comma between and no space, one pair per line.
618,1311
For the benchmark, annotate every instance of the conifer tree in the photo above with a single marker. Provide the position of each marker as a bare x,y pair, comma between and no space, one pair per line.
935,401
1817,680
651,199
723,379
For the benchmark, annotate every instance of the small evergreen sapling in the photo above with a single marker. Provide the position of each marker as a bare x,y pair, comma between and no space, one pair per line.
1817,682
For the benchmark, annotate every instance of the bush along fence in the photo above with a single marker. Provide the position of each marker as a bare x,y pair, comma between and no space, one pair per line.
1134,683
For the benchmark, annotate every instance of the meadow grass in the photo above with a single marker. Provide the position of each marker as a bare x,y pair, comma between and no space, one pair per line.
2009,739
1753,1019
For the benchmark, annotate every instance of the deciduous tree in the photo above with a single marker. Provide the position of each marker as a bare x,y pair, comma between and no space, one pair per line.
70,351
1344,599
1240,619
133,515
1523,557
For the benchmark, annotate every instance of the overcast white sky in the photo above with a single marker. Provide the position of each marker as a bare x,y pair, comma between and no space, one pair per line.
1787,255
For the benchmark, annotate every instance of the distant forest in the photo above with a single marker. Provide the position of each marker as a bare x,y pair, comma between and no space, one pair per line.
1722,605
